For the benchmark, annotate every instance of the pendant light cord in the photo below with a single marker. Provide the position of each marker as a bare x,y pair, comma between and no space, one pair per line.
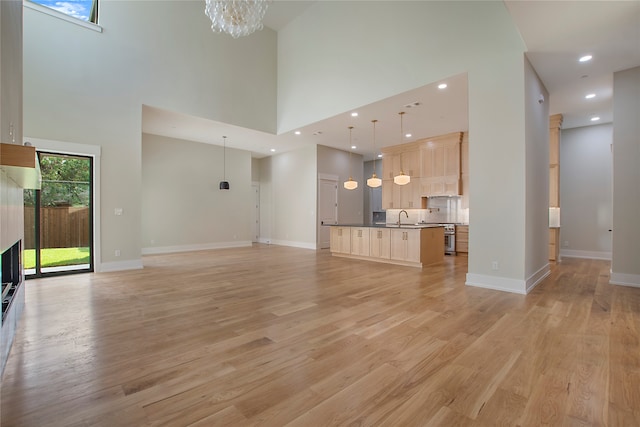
224,158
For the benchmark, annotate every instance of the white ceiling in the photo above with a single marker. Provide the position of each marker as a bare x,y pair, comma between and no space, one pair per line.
556,34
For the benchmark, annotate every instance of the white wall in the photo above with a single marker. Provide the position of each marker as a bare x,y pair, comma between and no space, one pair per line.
182,205
537,178
585,191
336,162
87,87
625,264
288,198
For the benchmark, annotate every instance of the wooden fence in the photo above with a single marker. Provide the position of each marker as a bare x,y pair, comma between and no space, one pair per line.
61,227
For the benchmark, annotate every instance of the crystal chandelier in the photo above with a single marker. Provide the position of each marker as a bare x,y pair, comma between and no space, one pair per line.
236,17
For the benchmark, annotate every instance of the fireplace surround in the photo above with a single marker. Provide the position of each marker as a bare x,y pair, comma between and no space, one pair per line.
11,275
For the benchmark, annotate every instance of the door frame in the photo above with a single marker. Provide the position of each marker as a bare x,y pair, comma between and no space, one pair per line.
38,223
85,150
255,226
334,180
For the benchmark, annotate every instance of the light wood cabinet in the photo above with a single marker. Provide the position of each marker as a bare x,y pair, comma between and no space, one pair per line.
462,238
360,241
405,245
340,240
441,165
380,243
412,247
387,194
554,248
401,196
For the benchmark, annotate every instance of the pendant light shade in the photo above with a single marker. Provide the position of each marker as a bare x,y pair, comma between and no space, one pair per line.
401,179
350,184
374,181
224,184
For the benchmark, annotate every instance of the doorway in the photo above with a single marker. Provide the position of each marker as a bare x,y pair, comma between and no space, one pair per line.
58,218
327,208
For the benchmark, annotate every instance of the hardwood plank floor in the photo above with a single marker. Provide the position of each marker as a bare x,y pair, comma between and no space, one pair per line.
275,336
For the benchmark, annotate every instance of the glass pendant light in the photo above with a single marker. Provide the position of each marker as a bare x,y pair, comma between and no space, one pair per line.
401,179
350,184
374,181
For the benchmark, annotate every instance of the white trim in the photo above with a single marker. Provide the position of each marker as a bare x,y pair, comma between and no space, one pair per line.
302,245
134,264
94,151
496,283
537,277
192,248
625,279
569,253
63,16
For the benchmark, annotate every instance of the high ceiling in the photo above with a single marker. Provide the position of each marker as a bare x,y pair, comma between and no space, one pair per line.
556,33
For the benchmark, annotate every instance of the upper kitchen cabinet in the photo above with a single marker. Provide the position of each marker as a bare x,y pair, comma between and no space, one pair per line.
407,160
441,165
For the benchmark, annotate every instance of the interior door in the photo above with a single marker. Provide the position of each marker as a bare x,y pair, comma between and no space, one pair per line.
327,209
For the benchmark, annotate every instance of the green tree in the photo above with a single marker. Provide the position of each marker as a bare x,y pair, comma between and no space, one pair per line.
65,181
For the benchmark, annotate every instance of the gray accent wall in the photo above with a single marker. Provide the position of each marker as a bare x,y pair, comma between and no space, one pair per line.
586,174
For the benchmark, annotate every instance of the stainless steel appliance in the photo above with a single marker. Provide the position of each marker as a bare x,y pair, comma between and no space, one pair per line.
449,239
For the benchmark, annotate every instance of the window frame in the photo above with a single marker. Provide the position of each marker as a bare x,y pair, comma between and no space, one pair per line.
63,16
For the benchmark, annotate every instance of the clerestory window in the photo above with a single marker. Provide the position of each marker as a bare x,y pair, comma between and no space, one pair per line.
85,10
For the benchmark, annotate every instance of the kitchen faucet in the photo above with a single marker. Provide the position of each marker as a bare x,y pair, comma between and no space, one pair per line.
399,213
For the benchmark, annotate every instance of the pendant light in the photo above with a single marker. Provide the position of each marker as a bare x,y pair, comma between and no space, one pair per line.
374,181
351,184
401,179
224,184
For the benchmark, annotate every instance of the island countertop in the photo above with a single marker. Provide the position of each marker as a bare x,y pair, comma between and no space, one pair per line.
387,225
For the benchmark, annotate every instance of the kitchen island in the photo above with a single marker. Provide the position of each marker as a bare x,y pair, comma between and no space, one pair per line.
412,245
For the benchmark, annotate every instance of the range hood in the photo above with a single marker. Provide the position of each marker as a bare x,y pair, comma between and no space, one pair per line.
21,164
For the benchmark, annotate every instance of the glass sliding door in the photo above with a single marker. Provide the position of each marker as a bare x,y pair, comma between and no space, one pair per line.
58,218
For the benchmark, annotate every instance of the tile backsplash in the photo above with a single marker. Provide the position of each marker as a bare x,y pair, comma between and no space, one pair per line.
439,210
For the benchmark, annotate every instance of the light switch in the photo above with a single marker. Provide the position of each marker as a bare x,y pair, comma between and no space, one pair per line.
118,211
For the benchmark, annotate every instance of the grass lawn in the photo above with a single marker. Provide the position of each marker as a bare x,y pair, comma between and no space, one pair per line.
54,257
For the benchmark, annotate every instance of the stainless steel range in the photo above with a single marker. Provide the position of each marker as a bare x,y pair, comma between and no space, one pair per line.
449,239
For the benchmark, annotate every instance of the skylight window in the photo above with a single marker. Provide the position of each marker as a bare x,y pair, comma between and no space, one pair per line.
85,10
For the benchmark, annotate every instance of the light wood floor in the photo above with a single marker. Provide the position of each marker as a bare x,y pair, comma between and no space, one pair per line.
280,336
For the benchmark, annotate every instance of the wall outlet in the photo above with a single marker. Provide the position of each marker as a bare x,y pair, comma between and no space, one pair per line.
117,252
566,244
117,211
494,265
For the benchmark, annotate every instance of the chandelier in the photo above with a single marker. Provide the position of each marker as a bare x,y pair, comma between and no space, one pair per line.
236,17
401,179
350,184
374,181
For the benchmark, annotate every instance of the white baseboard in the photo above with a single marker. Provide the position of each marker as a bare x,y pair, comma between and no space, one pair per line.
496,283
624,279
537,277
570,253
294,244
134,264
191,248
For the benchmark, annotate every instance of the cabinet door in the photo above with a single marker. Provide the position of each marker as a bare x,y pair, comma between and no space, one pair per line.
380,244
451,159
426,157
413,245
340,240
387,194
360,241
390,165
405,245
411,163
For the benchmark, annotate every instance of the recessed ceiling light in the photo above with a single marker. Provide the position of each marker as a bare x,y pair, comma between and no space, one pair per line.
354,114
442,86
273,150
595,118
379,156
353,147
585,58
297,132
408,135
591,95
